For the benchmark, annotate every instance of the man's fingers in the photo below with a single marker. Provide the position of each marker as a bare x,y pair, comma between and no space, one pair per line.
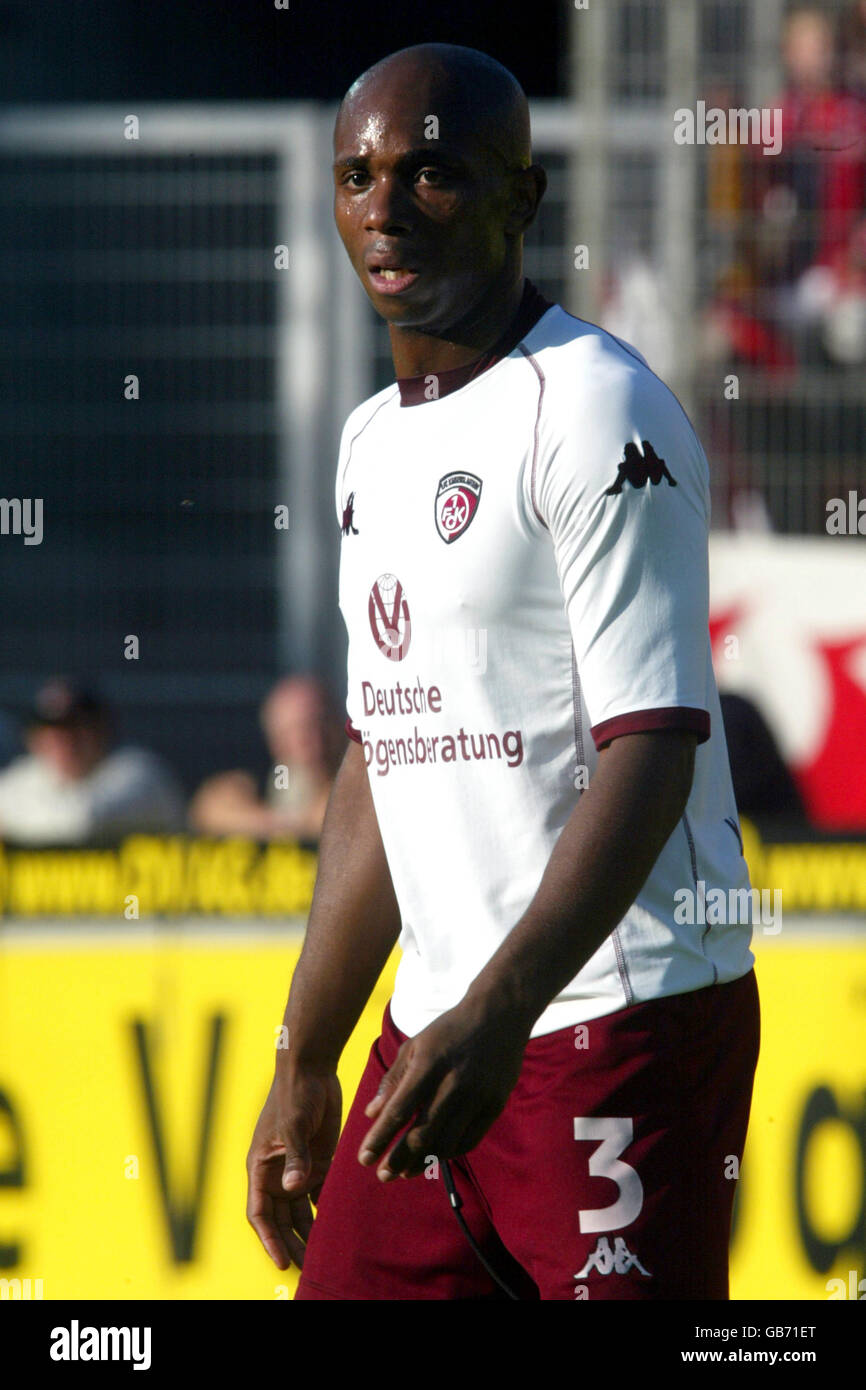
298,1163
439,1133
397,1111
282,1224
301,1217
388,1085
273,1244
281,1219
261,1216
372,1109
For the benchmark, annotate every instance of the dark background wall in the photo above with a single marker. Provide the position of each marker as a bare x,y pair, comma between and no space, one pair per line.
154,50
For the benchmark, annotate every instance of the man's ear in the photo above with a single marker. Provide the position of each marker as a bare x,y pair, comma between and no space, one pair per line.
528,188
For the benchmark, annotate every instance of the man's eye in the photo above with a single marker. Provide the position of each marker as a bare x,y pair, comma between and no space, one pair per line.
431,176
352,175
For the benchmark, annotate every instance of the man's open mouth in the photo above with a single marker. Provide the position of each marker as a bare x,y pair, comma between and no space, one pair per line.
392,279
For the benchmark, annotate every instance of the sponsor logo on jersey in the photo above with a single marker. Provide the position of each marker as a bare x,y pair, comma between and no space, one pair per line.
389,617
619,1260
456,504
348,517
637,467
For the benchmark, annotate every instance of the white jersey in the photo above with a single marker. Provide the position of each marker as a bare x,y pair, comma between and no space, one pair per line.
524,577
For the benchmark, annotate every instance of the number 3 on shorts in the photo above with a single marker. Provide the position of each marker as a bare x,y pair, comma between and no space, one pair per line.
615,1136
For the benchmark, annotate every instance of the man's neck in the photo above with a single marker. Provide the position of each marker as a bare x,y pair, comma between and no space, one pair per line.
420,354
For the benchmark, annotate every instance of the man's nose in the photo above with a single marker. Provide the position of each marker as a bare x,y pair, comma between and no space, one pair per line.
388,209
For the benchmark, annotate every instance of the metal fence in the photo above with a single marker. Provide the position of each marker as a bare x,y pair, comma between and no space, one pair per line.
149,249
165,388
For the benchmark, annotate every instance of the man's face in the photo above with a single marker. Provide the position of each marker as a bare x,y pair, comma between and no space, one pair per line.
808,50
423,220
72,750
295,725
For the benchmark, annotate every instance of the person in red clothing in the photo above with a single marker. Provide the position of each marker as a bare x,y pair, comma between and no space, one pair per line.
823,160
810,198
787,294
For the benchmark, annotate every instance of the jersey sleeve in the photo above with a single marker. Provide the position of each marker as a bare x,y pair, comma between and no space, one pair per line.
624,493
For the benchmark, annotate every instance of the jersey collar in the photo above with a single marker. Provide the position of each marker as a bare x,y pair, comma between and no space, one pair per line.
414,390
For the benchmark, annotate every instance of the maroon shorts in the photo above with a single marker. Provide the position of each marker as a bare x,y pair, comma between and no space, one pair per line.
610,1174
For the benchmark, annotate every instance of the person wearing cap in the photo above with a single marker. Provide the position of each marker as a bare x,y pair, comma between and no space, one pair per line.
72,787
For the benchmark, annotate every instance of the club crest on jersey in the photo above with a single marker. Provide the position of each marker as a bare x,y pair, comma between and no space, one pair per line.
389,617
456,504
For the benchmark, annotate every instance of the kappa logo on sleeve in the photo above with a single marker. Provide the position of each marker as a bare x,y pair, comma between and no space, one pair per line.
636,468
349,517
456,504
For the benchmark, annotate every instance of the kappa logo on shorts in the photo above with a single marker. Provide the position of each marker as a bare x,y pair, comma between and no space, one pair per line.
619,1260
456,504
636,468
389,617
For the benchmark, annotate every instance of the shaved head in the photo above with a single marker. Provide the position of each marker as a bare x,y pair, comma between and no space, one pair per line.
434,188
470,94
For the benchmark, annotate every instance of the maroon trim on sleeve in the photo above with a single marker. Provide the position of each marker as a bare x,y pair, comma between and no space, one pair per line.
639,721
353,732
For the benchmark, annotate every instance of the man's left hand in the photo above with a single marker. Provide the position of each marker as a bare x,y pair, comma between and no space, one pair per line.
448,1083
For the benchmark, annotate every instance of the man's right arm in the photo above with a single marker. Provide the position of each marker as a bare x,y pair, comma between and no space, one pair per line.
353,926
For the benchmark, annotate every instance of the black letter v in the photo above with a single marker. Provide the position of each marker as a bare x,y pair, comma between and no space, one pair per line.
182,1216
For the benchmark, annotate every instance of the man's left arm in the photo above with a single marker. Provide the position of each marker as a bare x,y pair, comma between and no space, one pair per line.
456,1075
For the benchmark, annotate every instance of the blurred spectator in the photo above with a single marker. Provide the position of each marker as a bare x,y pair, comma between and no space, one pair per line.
811,196
306,741
822,158
72,788
793,289
853,48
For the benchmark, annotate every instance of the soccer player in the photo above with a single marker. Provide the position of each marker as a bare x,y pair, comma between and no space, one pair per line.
536,798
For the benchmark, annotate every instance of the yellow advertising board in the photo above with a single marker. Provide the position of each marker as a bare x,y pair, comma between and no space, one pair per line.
133,1065
800,1220
175,876
132,1071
